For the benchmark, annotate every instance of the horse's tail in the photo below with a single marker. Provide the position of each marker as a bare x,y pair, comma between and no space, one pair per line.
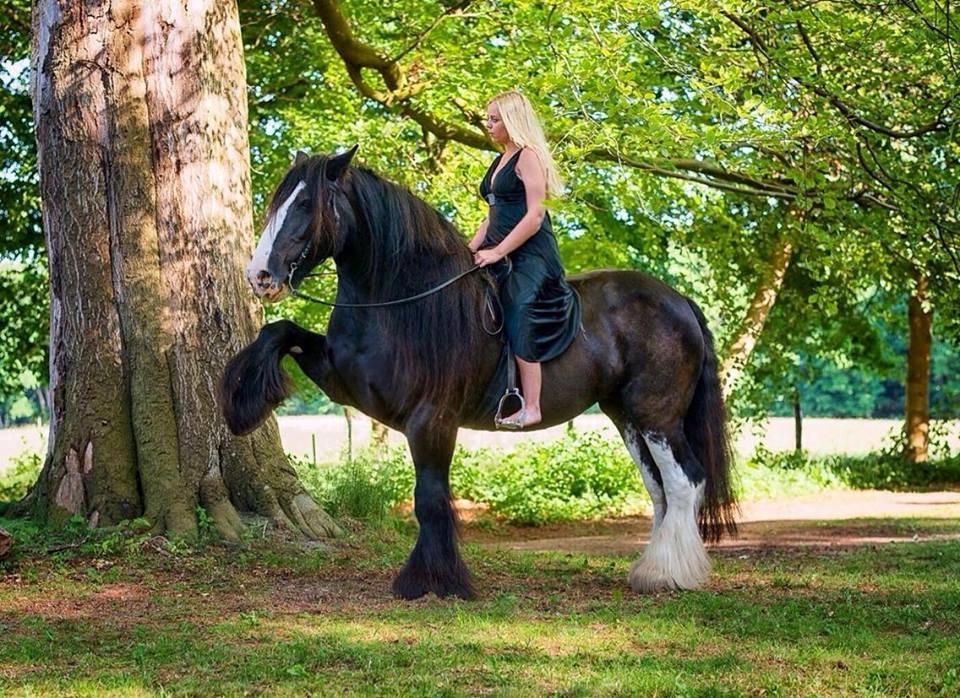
253,382
705,425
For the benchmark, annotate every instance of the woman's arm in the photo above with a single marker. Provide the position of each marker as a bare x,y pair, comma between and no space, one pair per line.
480,235
534,181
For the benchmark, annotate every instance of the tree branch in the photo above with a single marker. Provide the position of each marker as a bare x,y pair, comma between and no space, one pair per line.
453,9
809,45
716,176
847,111
356,56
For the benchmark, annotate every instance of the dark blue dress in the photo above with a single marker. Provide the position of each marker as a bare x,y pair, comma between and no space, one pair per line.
541,310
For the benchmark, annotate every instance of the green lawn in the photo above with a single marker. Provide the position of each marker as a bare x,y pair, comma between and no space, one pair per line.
135,617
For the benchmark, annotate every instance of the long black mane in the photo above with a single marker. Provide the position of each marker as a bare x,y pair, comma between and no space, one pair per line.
410,248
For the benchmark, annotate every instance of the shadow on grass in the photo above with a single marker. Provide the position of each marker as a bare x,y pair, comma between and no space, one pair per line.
880,620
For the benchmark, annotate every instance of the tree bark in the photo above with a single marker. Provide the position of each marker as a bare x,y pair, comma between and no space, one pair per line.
6,544
140,114
797,422
764,298
920,319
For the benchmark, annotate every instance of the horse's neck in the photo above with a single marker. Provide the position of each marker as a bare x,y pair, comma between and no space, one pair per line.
354,264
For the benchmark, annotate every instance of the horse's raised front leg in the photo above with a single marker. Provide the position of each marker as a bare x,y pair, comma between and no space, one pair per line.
675,558
253,381
434,564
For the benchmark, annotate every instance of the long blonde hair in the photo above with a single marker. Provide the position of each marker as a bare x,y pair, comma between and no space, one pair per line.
525,130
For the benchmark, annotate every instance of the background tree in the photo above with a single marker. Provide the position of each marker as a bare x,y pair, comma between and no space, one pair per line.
791,166
822,110
140,113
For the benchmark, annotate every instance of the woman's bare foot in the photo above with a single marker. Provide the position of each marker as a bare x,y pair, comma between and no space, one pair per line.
531,416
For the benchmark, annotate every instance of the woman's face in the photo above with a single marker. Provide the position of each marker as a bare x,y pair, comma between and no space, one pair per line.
495,127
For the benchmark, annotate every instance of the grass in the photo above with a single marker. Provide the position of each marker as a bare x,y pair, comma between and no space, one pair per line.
129,616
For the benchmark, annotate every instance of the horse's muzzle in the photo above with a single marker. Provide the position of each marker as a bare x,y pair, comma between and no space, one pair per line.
266,287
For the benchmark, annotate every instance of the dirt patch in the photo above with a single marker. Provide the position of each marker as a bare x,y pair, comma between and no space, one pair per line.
827,520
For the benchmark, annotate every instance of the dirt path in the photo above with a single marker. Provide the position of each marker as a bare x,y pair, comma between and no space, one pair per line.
826,520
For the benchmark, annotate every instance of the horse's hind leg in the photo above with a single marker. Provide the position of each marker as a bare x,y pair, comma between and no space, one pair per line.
675,558
637,448
434,563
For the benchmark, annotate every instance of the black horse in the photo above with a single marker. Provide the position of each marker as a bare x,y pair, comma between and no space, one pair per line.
425,368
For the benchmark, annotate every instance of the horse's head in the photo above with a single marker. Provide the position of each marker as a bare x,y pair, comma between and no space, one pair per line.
304,224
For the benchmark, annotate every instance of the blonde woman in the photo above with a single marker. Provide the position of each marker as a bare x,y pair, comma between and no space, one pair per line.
541,311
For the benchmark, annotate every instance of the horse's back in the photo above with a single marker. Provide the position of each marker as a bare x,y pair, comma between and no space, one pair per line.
606,291
634,323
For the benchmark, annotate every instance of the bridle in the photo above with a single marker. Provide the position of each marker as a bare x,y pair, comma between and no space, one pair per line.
331,204
512,389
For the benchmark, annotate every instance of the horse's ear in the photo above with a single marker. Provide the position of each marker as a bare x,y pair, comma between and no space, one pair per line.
300,157
337,165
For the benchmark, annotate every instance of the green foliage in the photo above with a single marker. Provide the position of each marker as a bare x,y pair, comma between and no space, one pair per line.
578,476
761,99
23,277
364,487
886,469
770,474
205,529
19,476
693,135
76,538
585,475
891,471
23,330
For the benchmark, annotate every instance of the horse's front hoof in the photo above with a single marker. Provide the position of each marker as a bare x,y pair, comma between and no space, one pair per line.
411,584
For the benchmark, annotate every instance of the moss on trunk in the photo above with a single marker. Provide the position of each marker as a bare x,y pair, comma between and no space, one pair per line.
141,118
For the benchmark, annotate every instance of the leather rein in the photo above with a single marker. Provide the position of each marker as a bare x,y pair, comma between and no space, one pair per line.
400,301
512,390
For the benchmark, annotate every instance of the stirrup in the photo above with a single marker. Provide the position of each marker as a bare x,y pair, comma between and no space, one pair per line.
512,424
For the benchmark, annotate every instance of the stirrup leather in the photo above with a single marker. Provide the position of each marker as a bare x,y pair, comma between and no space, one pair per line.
512,392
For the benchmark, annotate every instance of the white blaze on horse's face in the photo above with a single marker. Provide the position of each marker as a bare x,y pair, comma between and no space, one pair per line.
262,282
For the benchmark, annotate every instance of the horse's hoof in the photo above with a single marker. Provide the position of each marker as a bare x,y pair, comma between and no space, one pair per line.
647,577
409,586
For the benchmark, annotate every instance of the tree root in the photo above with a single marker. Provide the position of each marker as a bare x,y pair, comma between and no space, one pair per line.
311,519
300,515
216,500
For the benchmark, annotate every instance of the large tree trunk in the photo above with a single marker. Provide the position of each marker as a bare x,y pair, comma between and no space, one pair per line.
764,298
6,544
917,425
140,111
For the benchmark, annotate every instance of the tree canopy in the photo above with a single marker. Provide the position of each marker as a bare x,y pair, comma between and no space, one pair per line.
705,142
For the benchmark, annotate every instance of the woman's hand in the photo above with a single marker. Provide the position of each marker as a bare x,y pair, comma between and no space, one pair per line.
485,257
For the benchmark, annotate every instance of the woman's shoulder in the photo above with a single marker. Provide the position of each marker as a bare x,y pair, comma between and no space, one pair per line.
529,162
